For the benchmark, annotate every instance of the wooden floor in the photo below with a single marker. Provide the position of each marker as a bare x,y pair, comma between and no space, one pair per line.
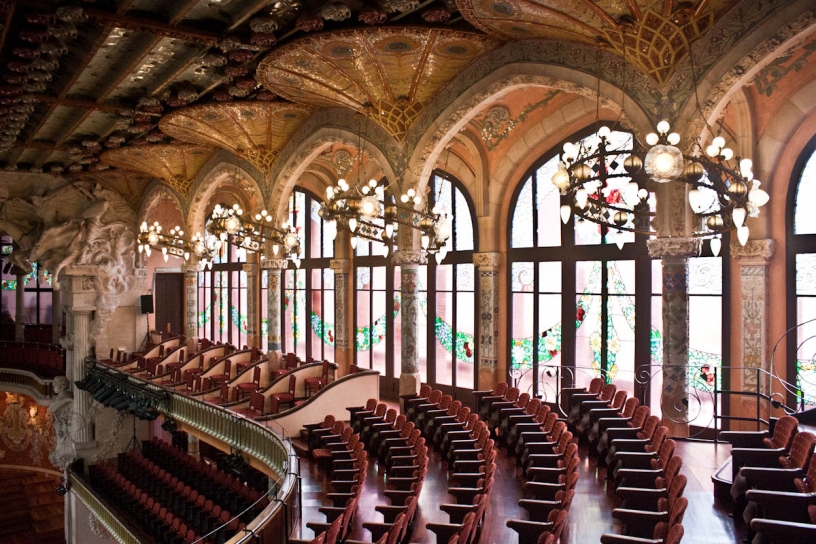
31,512
590,515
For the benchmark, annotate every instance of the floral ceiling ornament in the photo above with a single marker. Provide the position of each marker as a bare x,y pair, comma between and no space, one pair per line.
335,11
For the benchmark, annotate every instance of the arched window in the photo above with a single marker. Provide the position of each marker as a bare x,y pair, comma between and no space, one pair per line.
222,297
307,292
451,305
36,288
801,282
573,273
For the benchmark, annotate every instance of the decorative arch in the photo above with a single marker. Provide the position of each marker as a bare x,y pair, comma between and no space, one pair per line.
152,198
220,176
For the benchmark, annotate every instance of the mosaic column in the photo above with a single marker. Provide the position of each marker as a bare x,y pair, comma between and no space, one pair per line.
488,314
19,314
675,253
253,338
409,263
191,301
753,259
273,269
343,348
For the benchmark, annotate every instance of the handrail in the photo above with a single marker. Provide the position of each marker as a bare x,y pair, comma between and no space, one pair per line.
106,517
257,439
33,356
42,387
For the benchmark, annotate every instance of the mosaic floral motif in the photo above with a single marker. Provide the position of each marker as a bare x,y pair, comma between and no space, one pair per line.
369,336
464,341
323,329
11,285
806,379
238,320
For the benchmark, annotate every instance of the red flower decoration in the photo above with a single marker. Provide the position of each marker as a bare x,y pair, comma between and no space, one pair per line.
331,336
614,197
553,352
580,314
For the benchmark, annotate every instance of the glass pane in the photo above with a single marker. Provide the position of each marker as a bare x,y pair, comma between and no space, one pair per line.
521,349
705,356
315,224
522,277
656,352
588,276
444,337
804,220
463,227
363,332
620,338
657,276
587,232
264,309
363,277
587,338
465,343
549,345
522,227
378,332
465,277
548,206
549,277
806,339
806,274
621,277
705,276
397,369
444,277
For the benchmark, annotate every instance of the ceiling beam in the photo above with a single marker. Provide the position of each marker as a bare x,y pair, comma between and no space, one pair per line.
157,28
88,105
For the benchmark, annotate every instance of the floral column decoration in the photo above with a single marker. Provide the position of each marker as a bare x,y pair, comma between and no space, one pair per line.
675,253
251,270
488,266
273,306
343,353
409,263
191,300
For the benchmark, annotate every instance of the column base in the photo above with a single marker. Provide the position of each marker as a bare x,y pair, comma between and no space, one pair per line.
409,384
487,377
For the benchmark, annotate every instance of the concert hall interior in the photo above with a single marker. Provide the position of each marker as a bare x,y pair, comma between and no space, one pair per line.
407,271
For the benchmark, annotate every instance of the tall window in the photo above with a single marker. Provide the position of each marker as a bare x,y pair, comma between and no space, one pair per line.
222,298
36,287
802,279
451,293
574,307
308,291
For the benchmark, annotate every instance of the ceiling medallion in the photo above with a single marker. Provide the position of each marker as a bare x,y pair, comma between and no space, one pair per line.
387,74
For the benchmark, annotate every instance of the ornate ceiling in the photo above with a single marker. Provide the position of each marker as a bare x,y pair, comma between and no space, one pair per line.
653,34
176,164
386,73
86,86
255,131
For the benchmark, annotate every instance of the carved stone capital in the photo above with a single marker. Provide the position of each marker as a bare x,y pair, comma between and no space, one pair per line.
678,247
489,261
340,266
280,264
250,268
753,251
191,268
405,257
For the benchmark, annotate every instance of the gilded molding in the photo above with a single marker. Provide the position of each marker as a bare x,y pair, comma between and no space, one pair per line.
279,264
341,266
413,257
487,260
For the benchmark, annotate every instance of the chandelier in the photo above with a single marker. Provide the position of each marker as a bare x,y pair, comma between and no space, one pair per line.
373,213
228,224
172,243
610,183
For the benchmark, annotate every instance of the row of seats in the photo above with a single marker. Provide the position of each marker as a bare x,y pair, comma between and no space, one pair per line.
44,360
774,482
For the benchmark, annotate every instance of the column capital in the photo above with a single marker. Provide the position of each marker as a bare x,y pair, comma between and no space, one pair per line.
754,251
190,268
487,261
340,266
675,246
279,264
249,268
405,257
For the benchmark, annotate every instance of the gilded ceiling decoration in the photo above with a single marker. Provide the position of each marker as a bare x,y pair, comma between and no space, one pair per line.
653,34
176,164
389,74
255,131
131,185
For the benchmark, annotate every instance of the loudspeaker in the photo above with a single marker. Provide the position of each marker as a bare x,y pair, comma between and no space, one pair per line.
147,304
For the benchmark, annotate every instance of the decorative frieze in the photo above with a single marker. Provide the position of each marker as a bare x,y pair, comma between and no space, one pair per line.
753,250
674,246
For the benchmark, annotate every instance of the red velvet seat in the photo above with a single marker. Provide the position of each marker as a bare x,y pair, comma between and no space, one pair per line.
313,385
289,396
217,379
223,396
245,389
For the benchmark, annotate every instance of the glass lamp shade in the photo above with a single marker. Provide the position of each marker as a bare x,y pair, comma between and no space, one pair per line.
664,163
757,196
232,224
561,178
153,238
566,211
370,208
716,246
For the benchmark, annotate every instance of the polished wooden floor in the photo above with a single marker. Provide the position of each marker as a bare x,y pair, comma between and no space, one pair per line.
31,512
590,515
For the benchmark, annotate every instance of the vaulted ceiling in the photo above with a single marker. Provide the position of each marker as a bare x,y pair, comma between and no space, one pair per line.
109,90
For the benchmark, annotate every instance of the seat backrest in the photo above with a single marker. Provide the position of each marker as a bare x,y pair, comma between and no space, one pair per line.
292,384
512,394
672,469
454,408
390,415
649,428
608,391
256,374
435,396
523,400
291,360
809,484
666,504
801,450
666,452
328,421
543,415
425,391
619,399
595,385
370,405
471,421
445,402
380,410
675,533
559,524
334,529
500,389
558,429
408,428
256,402
659,437
396,529
784,431
399,423
532,407
641,415
224,391
630,406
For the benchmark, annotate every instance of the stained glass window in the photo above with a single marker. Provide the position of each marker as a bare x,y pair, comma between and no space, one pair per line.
549,259
307,326
804,220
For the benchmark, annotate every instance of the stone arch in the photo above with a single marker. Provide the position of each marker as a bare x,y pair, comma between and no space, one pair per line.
152,198
223,175
297,162
475,99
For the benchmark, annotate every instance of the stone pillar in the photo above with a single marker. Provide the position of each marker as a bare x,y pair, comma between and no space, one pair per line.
675,253
251,269
19,314
191,301
273,306
343,345
192,445
82,430
488,317
56,316
753,259
409,263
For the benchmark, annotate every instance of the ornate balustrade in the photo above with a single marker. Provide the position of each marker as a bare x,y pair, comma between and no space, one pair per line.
44,360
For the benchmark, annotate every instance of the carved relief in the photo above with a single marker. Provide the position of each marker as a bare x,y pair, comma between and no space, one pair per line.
62,417
487,260
406,258
674,247
759,250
